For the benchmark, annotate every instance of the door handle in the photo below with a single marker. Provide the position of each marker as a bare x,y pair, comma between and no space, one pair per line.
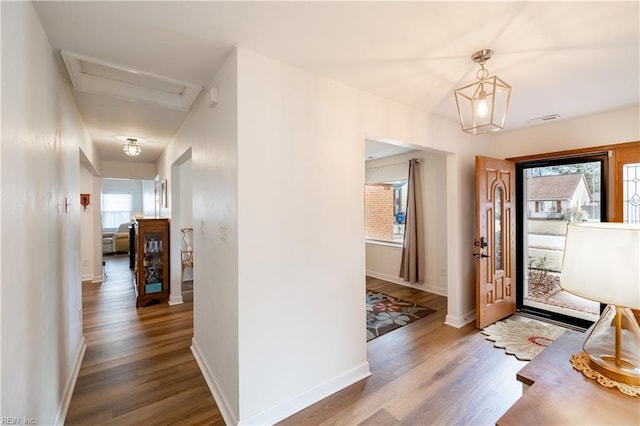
480,255
482,244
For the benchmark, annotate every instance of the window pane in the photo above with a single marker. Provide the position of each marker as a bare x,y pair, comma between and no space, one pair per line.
385,211
116,209
631,193
497,209
555,195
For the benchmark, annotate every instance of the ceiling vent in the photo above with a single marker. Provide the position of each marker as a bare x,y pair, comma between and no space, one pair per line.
101,78
543,119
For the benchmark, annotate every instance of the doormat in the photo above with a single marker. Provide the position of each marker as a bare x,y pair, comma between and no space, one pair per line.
386,313
523,339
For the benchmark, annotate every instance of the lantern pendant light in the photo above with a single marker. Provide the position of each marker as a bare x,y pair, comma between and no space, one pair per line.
131,148
482,105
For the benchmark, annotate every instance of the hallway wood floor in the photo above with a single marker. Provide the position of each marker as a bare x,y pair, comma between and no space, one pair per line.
138,368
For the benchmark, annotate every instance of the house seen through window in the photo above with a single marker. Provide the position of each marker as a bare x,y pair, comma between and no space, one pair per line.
385,210
554,193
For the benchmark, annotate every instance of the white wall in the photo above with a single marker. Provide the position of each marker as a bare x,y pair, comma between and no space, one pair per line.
180,190
300,235
186,199
86,226
128,170
42,135
613,127
96,208
383,260
211,134
268,222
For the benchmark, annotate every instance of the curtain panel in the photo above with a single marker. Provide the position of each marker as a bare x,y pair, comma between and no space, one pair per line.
412,263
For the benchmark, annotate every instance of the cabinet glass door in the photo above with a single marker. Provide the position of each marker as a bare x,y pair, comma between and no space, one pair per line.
153,273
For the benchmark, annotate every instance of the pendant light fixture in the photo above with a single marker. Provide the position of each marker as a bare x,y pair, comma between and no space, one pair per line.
482,106
131,148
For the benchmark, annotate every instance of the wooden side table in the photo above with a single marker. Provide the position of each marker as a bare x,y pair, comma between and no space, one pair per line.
560,395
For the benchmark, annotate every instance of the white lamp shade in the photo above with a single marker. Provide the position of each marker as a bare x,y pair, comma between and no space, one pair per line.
602,263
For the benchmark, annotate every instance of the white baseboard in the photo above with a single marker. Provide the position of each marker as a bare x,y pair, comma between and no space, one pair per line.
175,300
459,322
400,281
70,385
287,408
87,278
227,414
97,279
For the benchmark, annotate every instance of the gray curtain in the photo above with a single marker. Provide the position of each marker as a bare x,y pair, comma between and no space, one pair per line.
412,265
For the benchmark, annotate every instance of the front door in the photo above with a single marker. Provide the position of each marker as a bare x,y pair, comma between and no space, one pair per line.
495,240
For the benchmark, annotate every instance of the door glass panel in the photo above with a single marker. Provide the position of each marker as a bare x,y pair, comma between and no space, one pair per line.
497,208
631,193
555,195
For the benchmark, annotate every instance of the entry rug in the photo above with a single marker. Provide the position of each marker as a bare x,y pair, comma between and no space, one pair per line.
386,313
524,339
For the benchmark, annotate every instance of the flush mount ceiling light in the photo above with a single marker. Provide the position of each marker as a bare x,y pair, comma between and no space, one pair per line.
482,106
131,148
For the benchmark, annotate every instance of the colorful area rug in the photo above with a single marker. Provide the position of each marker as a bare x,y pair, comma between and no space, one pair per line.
386,313
524,339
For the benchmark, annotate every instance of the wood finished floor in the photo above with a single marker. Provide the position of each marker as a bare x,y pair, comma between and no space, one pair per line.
139,370
425,373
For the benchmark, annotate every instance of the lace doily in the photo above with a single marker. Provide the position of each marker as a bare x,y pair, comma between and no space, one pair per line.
580,362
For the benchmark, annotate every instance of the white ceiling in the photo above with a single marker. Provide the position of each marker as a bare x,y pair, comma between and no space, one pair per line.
566,58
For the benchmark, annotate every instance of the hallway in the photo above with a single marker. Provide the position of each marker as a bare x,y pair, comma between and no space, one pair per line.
138,367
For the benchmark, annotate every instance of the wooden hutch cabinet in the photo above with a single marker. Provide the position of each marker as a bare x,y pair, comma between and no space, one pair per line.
151,267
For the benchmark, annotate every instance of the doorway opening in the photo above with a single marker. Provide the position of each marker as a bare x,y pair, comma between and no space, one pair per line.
550,194
385,198
181,187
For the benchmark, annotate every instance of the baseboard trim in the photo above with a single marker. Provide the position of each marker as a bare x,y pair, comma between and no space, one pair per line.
97,279
71,384
397,280
282,411
221,401
175,300
459,322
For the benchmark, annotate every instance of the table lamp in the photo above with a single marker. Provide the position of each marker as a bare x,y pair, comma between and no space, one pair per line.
602,263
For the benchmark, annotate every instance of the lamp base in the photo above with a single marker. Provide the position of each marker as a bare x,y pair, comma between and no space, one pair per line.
613,345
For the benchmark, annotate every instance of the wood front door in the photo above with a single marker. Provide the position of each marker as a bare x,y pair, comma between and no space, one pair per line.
494,244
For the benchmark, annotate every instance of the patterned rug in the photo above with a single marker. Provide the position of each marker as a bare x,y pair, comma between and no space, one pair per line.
524,339
386,313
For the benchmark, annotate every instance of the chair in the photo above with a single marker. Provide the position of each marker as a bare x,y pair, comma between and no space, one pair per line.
107,243
121,238
186,251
